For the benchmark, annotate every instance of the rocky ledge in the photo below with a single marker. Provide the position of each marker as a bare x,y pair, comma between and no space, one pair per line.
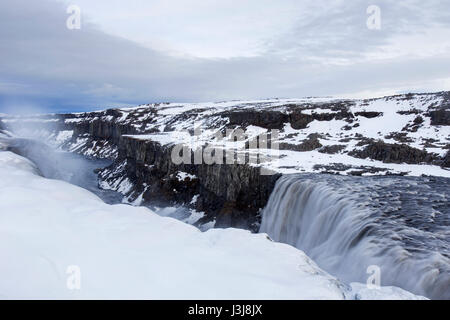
230,194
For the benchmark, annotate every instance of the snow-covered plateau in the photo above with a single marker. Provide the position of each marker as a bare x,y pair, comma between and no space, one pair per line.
48,228
405,134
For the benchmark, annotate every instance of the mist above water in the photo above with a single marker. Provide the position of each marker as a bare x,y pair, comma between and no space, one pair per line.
69,167
81,171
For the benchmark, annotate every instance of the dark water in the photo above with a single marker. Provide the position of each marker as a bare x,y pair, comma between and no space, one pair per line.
346,224
69,167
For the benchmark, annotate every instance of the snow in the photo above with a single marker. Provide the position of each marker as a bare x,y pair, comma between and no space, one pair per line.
194,199
318,111
194,217
123,186
74,120
64,136
181,176
49,227
78,144
208,225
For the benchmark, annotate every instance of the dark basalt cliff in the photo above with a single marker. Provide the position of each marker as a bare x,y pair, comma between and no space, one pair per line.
441,117
396,153
231,194
446,160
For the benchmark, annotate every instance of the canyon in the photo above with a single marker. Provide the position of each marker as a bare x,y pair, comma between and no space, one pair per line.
397,135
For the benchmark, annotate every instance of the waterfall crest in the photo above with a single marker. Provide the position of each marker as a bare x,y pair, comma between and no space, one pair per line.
343,224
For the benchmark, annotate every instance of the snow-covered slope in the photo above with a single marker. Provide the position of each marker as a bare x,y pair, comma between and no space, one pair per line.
49,227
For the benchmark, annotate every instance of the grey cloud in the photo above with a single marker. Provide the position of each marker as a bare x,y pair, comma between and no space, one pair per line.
44,62
338,28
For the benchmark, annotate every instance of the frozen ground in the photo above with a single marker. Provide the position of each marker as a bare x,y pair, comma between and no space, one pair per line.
49,226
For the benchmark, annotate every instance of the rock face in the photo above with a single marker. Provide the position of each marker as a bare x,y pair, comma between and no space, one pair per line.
440,117
337,111
311,143
269,119
394,153
446,161
264,119
100,134
234,192
231,194
300,120
368,114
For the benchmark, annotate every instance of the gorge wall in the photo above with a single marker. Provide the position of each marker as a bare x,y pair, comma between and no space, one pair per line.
231,194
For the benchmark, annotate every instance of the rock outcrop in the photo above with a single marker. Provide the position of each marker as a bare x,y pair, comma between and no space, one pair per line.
446,160
264,119
311,143
299,120
368,114
395,153
230,194
440,117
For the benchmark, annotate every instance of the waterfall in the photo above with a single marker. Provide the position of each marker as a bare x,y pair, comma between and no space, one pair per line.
342,224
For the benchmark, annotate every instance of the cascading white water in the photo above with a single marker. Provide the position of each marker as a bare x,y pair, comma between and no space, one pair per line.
346,232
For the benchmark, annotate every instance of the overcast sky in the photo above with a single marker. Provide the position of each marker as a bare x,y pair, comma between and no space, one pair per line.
141,51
